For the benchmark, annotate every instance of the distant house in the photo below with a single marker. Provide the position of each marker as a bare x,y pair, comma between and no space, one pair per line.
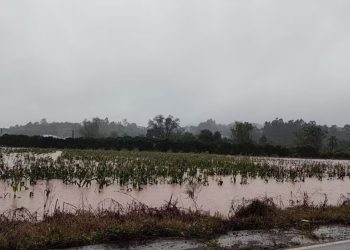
52,136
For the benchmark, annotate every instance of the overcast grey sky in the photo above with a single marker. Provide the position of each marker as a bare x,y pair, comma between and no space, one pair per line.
67,60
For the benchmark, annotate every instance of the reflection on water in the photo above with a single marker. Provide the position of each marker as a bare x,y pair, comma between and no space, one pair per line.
214,198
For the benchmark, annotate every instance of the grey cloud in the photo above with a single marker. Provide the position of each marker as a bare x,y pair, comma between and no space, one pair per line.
195,59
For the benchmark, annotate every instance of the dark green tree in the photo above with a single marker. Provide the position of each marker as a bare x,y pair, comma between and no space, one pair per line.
187,137
170,125
206,136
156,127
90,129
217,136
242,132
161,127
311,135
279,132
332,143
263,140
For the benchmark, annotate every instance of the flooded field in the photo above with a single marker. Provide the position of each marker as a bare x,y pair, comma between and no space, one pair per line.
42,181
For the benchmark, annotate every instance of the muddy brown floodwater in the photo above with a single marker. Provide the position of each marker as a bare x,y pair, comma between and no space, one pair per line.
212,198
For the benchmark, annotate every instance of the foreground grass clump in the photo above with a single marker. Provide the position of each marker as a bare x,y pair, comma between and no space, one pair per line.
264,214
139,222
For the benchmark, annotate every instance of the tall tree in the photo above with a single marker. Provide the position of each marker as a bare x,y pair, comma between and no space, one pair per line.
206,136
311,135
217,136
332,143
156,127
161,127
90,129
242,132
263,140
170,125
279,132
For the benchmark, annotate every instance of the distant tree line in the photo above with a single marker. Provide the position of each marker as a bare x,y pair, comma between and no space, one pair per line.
143,144
96,128
292,138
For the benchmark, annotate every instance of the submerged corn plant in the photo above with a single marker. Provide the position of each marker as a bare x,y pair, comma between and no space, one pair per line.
136,169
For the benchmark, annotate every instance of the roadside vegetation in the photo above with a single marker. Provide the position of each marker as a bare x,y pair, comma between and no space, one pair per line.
19,230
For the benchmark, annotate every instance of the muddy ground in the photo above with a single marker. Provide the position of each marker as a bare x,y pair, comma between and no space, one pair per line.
253,239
